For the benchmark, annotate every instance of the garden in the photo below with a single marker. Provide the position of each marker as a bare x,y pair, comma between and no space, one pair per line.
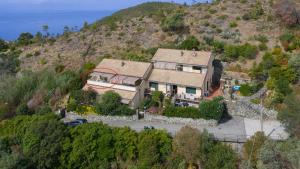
208,109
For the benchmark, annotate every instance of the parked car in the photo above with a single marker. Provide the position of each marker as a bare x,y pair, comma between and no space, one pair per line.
149,128
76,122
82,121
181,104
72,123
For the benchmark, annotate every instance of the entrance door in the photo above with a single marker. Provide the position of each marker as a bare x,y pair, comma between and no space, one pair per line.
174,90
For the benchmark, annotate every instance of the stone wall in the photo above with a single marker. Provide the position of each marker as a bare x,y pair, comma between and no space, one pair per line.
250,110
176,120
147,118
98,118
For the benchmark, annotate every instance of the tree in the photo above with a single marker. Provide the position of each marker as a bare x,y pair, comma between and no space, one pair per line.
157,98
252,147
190,43
110,104
221,156
154,147
46,29
85,25
3,45
25,39
278,155
294,62
126,141
42,143
290,115
186,143
89,146
38,37
214,109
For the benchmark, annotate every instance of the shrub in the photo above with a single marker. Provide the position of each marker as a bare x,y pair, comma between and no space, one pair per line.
263,47
245,51
37,53
174,23
183,112
214,109
252,147
190,43
223,17
246,17
25,39
233,24
248,89
221,156
261,38
23,109
3,45
110,104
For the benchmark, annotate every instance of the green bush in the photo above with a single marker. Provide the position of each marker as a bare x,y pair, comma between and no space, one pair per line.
174,23
250,89
244,51
214,109
263,47
233,24
25,39
190,43
110,104
3,45
183,112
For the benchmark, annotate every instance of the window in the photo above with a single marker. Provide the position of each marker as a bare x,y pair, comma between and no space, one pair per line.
154,85
191,90
197,68
179,68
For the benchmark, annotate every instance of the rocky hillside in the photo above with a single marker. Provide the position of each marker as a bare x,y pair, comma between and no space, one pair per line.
134,33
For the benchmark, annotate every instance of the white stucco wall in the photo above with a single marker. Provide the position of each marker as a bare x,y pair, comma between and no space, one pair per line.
162,87
110,85
182,90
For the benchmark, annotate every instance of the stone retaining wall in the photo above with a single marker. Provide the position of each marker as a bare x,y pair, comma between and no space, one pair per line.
98,118
147,117
176,120
250,110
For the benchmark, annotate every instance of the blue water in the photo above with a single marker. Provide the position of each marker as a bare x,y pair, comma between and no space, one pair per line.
14,23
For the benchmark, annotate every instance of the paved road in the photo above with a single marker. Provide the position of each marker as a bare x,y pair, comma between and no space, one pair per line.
231,130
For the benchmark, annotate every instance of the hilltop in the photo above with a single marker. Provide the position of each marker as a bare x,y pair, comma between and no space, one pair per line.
136,32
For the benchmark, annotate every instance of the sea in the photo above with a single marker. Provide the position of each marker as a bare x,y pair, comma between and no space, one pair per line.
12,24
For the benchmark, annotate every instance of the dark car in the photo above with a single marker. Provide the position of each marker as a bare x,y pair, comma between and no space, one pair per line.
72,123
82,121
149,128
181,104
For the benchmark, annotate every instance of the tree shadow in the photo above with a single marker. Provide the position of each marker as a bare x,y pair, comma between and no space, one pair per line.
218,70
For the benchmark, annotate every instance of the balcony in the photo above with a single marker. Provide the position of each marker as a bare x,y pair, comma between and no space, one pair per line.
188,97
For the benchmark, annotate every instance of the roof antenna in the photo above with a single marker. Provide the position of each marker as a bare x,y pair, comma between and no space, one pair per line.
182,53
123,64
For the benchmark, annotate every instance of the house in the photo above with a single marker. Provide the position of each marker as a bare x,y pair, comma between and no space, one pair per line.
127,78
187,75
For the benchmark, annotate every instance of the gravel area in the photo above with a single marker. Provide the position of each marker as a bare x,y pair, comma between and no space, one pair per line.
272,128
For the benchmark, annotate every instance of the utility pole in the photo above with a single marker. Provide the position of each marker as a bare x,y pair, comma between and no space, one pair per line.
261,117
261,112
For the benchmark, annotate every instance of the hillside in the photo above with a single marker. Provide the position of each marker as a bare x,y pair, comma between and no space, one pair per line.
134,31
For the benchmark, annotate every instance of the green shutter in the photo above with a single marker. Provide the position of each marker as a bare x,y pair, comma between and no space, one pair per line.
191,90
154,85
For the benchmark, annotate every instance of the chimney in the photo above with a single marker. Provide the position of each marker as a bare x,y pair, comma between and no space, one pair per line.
182,53
194,53
123,64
